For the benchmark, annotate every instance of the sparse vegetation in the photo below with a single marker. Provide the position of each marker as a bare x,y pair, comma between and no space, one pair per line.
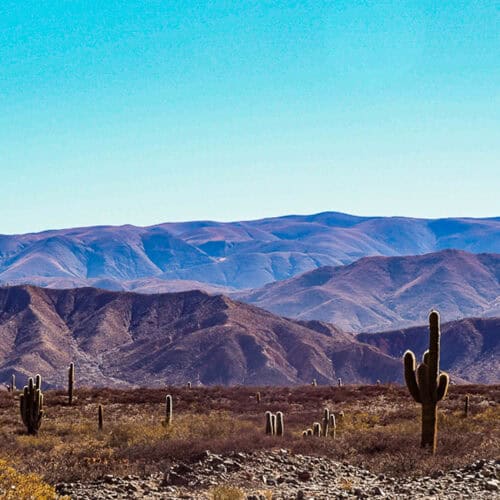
379,429
16,486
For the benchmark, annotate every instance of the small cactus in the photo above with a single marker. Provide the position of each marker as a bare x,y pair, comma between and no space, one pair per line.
71,382
99,418
31,405
258,397
309,432
13,383
168,409
427,384
280,424
326,421
339,382
314,382
304,433
333,425
341,416
269,423
189,385
317,429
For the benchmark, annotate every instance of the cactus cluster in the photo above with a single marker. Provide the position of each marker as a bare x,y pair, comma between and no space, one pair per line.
426,383
327,428
275,424
12,386
31,405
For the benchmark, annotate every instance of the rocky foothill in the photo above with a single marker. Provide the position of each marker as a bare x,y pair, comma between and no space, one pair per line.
288,476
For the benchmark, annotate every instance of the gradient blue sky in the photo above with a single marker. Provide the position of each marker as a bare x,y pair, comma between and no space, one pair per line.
142,112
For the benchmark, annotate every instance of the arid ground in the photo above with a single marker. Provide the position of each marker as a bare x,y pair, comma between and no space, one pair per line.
380,429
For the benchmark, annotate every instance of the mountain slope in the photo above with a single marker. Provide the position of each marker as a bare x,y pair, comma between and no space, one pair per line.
380,293
118,338
234,255
470,347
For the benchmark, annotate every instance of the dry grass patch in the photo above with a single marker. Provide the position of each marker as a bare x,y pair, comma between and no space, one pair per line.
380,429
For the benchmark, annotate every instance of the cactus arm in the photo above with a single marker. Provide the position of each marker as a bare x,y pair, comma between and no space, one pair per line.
411,381
425,357
443,383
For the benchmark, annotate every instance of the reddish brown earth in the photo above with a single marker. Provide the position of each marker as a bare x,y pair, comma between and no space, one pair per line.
123,338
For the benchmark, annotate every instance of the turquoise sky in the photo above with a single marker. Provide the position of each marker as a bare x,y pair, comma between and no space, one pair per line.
142,112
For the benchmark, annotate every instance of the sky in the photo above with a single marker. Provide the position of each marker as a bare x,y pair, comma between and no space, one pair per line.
153,111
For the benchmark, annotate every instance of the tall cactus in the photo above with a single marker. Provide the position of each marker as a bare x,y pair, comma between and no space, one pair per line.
426,384
168,409
31,404
71,382
13,383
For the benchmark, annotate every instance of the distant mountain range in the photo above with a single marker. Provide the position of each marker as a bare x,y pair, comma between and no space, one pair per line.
383,293
129,339
222,257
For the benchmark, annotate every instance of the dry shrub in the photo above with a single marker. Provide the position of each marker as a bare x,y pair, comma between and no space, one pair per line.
380,431
16,486
225,492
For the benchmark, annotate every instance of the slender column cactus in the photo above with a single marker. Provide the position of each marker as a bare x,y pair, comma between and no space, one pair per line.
466,406
339,382
31,404
317,429
71,382
314,382
326,421
426,384
13,383
333,425
273,424
258,397
168,409
269,423
280,424
99,418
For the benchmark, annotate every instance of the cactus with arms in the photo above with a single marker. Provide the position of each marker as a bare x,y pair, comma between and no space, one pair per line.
31,403
426,384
